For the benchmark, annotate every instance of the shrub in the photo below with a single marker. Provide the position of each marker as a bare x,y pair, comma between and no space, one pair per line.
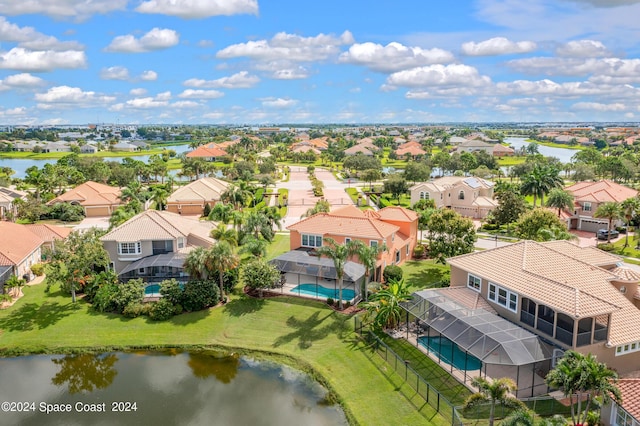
207,210
199,295
330,301
490,226
347,304
130,292
172,291
606,247
104,298
392,273
133,310
37,269
161,310
418,251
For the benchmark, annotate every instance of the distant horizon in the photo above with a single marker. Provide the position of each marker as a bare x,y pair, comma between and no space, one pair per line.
257,62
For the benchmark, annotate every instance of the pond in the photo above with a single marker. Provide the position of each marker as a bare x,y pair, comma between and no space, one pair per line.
159,388
563,154
20,165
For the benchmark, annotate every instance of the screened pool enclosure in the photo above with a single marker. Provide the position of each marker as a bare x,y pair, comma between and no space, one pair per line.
503,348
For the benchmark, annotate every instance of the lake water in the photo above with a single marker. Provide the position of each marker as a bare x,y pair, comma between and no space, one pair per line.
20,165
159,389
563,154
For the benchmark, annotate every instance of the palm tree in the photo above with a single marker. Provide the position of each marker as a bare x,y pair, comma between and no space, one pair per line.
539,182
582,375
254,247
368,256
221,258
222,233
385,304
160,196
322,206
560,199
494,392
630,206
528,418
610,211
258,224
339,253
194,264
221,212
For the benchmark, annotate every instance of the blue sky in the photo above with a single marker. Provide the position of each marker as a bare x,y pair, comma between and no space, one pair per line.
349,61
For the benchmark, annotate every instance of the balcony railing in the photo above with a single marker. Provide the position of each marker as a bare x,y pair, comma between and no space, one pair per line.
584,339
545,326
564,336
528,318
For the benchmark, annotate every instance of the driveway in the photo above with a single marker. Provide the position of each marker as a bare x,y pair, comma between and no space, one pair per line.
92,222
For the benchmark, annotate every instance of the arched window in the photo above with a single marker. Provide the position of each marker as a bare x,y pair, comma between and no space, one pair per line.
461,195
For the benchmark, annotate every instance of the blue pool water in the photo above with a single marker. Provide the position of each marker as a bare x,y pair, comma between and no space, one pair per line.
320,291
152,289
443,348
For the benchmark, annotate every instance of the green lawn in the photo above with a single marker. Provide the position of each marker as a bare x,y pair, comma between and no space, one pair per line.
421,274
278,246
306,333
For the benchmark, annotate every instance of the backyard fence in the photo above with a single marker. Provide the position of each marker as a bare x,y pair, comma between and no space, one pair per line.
430,395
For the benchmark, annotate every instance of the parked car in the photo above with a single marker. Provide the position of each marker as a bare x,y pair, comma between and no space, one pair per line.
603,234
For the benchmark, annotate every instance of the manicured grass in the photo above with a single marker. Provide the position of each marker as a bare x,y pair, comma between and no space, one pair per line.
278,246
307,332
630,251
510,161
353,194
421,274
99,154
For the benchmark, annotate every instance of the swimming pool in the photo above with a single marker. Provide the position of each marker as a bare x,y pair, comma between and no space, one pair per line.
320,291
152,290
444,348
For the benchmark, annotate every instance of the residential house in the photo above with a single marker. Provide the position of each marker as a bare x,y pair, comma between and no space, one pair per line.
475,146
19,249
8,198
49,233
56,147
626,412
123,146
208,152
192,198
304,147
359,149
500,150
154,244
140,144
575,297
88,149
412,151
98,200
394,228
469,196
588,196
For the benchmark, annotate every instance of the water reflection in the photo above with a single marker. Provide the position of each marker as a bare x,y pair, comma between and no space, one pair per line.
223,368
85,372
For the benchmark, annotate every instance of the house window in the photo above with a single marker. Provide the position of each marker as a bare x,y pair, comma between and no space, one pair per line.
181,242
424,195
130,248
461,195
503,297
398,256
626,349
162,247
347,240
586,206
622,417
311,240
373,243
474,283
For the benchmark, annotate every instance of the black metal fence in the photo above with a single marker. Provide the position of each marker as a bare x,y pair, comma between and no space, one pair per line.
431,396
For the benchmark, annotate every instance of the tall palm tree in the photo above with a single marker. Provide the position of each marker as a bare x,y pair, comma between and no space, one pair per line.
560,199
194,264
339,253
222,233
385,304
582,375
494,392
630,207
610,211
160,196
257,223
221,258
221,212
368,256
254,247
540,181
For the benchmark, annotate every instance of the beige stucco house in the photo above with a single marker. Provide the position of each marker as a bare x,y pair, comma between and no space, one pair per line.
192,198
97,199
153,245
469,196
19,249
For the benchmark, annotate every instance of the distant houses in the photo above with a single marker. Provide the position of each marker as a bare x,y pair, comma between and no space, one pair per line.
192,198
97,200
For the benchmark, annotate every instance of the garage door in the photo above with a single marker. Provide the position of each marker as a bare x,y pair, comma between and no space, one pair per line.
98,211
592,225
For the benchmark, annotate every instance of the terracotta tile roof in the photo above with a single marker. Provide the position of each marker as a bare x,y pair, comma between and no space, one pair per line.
410,144
412,150
350,226
626,274
201,190
591,255
549,274
49,233
305,148
482,201
227,144
601,191
158,225
501,148
358,149
206,151
17,243
90,194
630,390
347,211
397,214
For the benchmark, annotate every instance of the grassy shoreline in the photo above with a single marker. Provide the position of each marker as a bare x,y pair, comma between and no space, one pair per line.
305,334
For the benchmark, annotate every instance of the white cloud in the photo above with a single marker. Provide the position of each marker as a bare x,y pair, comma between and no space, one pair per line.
497,46
186,104
393,57
583,49
279,103
68,97
77,9
606,3
597,106
240,80
138,92
605,70
149,75
201,94
29,38
114,73
193,9
438,75
290,46
22,59
156,39
567,89
296,73
23,80
146,103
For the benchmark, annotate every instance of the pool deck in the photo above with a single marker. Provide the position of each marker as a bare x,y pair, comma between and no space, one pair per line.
287,289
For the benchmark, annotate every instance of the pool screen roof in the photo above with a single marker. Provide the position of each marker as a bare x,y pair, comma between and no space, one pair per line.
302,262
173,260
485,335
